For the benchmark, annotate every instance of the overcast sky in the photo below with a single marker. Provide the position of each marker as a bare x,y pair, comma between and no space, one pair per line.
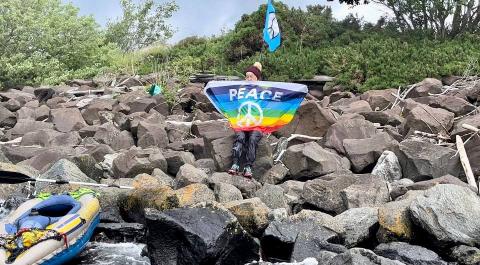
209,17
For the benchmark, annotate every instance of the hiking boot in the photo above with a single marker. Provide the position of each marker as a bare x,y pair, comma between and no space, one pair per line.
234,169
247,172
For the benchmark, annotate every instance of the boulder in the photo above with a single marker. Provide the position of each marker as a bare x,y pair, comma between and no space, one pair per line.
12,104
177,159
306,247
221,152
246,186
336,96
88,131
275,175
42,137
110,135
422,160
368,191
67,139
206,164
465,255
88,165
151,135
135,161
364,153
293,188
388,167
310,160
201,235
225,192
359,225
99,151
360,256
426,87
42,113
456,105
192,194
62,170
387,117
449,214
25,126
394,219
24,113
324,192
7,118
211,130
348,129
18,154
320,218
43,160
379,99
142,104
427,119
351,106
273,196
188,174
401,189
252,214
178,131
67,119
91,111
473,120
163,178
409,254
310,119
280,238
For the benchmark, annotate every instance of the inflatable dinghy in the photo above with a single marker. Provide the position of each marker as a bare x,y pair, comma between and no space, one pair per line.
50,229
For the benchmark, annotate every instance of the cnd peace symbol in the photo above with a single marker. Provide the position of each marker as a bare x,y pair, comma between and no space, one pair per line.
249,113
273,29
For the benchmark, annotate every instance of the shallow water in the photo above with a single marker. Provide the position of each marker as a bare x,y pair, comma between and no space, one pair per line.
111,254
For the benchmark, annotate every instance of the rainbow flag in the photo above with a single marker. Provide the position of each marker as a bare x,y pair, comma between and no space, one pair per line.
264,106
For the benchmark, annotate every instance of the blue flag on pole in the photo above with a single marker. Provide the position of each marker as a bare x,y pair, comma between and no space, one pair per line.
271,33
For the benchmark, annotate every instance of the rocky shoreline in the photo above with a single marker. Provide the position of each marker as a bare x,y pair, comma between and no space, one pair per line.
384,185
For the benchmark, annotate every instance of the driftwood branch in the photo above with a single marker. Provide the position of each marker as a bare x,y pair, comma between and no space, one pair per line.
465,162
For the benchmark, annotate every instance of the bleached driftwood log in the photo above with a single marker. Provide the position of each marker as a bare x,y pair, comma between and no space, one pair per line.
465,162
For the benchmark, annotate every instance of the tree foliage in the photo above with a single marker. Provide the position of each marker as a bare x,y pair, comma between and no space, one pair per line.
45,41
141,24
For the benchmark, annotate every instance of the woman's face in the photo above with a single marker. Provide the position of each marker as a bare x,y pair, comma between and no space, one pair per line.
249,76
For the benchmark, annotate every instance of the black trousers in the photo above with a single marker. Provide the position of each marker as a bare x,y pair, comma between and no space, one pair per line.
246,142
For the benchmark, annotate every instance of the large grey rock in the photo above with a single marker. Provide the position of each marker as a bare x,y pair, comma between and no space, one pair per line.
251,213
351,106
151,135
202,235
427,119
188,174
43,160
67,139
67,119
409,254
388,167
110,135
320,218
359,225
402,188
62,170
364,153
177,159
379,99
246,186
310,119
225,192
387,117
134,162
25,126
422,160
448,213
273,196
280,237
275,175
424,88
368,191
142,104
293,188
348,129
360,256
453,104
310,160
42,137
307,248
465,255
17,154
7,118
91,111
324,192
